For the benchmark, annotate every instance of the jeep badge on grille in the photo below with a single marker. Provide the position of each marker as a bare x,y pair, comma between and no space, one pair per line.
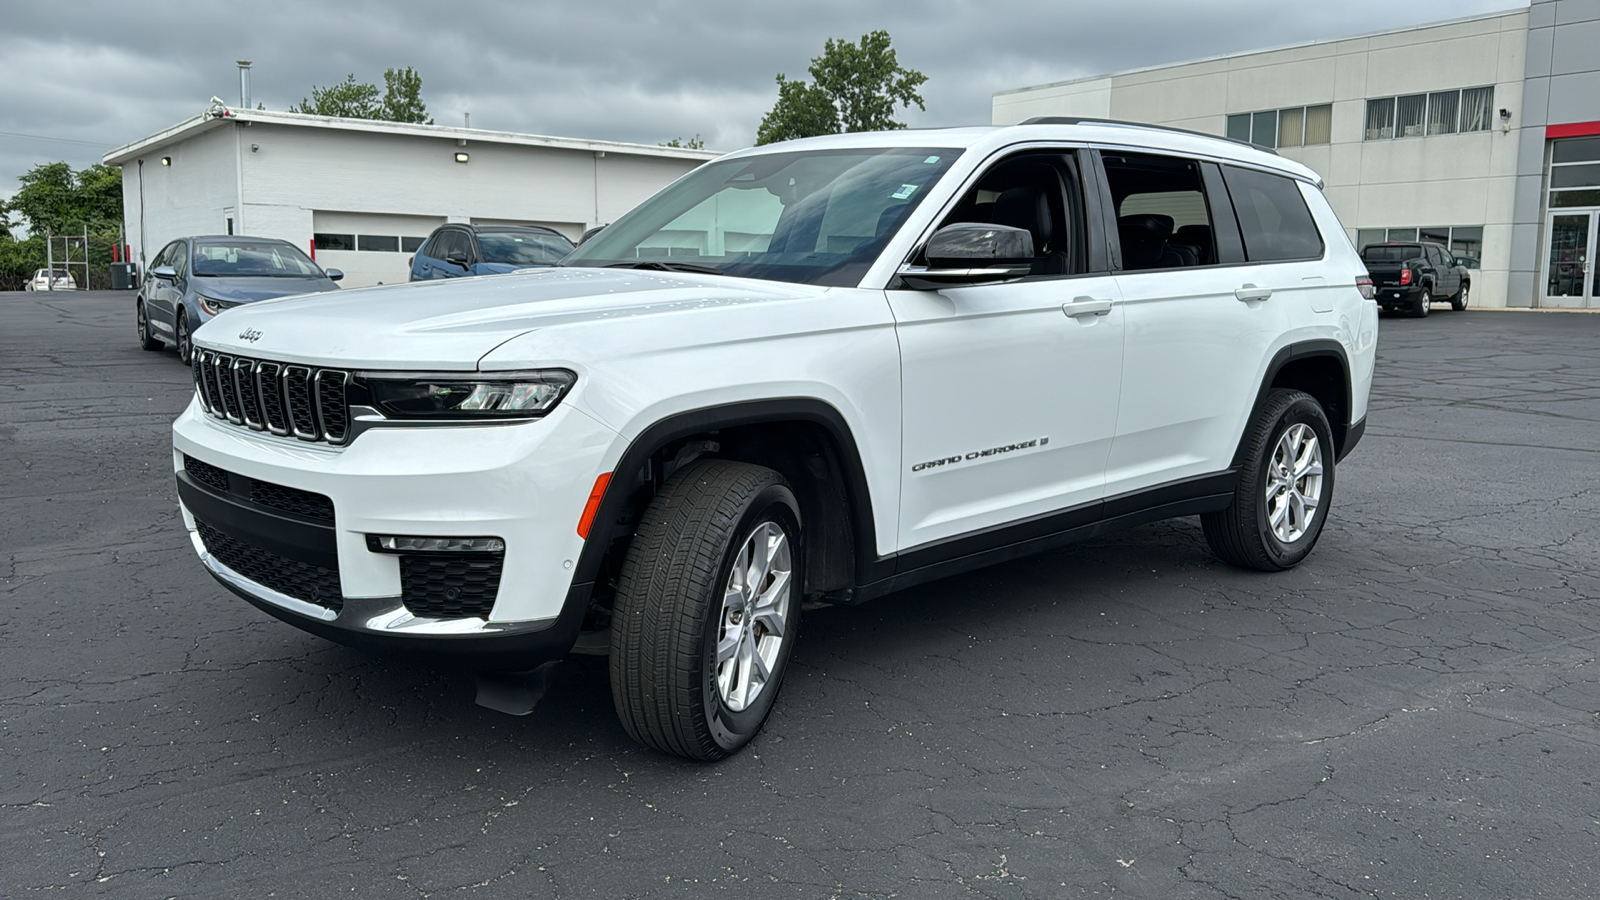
250,334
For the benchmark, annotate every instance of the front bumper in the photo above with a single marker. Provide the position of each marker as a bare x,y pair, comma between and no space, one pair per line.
525,483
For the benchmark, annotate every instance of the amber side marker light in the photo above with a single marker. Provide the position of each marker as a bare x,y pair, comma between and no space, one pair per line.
593,506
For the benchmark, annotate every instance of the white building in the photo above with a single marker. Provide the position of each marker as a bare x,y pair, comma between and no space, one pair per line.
363,194
1480,133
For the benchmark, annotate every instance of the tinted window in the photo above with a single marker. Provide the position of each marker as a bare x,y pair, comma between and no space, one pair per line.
1390,252
523,248
445,242
379,242
1163,216
180,257
410,244
1273,217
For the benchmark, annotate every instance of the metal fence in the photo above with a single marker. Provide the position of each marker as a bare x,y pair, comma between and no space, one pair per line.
86,256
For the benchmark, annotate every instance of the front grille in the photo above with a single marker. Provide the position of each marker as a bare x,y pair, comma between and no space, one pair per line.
264,493
302,581
262,395
450,586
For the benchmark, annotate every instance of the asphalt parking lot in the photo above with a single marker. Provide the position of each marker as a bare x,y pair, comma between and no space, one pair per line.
1415,712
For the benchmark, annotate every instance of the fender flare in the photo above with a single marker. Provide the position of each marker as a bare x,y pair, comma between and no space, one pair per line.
1291,353
754,412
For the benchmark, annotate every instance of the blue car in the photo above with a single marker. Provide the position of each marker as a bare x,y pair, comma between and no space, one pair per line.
193,279
455,251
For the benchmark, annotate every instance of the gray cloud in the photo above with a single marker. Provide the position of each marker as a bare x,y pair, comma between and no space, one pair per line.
109,73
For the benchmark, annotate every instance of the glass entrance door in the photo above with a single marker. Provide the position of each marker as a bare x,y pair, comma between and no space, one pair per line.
1571,278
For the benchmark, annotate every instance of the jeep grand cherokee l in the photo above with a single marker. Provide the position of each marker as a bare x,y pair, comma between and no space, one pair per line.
816,371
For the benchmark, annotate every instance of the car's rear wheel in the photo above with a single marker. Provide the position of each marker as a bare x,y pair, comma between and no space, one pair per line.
707,610
1459,301
1424,304
1285,485
146,342
185,342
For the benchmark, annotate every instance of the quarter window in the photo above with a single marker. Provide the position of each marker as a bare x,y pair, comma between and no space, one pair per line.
1273,216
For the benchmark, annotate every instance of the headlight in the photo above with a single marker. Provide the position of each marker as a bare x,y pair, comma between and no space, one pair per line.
212,306
513,395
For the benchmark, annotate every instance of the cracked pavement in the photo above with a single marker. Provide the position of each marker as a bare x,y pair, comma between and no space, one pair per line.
1412,713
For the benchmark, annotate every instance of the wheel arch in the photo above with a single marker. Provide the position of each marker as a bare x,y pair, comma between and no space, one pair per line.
805,439
1320,368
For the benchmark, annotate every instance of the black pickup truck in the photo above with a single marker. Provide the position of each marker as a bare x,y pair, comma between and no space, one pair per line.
1411,275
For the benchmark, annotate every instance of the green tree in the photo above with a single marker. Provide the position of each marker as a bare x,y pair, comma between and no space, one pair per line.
349,99
400,101
55,198
694,143
854,87
402,97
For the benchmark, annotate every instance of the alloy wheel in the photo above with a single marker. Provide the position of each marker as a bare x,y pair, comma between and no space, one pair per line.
1294,483
755,615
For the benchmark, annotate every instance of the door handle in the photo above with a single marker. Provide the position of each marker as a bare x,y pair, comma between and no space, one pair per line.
1086,306
1251,292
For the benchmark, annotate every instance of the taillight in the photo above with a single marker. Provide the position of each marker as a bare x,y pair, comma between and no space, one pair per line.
1405,276
1364,285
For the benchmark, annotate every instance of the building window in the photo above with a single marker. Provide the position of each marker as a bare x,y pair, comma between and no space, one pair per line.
334,241
1296,126
1465,241
1441,112
1575,173
411,244
382,243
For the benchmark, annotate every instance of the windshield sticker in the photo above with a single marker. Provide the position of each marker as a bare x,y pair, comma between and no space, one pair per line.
906,190
930,160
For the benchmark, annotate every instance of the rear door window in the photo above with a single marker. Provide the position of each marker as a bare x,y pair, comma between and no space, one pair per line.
1273,216
1163,216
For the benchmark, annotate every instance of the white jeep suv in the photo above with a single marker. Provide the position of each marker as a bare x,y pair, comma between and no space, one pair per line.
821,370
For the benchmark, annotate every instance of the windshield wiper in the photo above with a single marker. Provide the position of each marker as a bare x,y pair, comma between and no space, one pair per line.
658,266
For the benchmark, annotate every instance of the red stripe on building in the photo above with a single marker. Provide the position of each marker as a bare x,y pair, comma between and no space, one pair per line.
1573,129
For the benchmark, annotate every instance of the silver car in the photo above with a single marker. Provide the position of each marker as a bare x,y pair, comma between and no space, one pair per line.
193,279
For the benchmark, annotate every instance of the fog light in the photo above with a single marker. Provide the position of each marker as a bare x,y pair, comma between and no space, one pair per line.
389,543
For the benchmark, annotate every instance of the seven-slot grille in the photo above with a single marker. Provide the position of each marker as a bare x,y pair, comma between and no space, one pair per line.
304,401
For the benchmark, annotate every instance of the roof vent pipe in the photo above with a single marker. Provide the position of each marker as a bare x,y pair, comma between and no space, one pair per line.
244,83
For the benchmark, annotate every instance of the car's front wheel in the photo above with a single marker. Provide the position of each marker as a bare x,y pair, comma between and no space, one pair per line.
146,342
185,342
1285,485
707,609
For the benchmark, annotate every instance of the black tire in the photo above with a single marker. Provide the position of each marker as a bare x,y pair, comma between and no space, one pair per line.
1242,534
1459,301
670,613
180,323
142,323
1424,304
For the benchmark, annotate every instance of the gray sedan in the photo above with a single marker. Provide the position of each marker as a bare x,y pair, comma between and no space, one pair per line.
195,278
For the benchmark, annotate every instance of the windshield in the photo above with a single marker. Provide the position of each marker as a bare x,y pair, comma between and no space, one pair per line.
1390,252
810,217
523,248
251,260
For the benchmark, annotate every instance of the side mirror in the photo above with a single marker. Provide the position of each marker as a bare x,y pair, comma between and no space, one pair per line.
457,257
589,234
972,253
333,274
167,272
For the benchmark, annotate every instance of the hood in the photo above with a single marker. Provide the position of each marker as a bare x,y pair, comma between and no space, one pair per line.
249,290
500,268
449,325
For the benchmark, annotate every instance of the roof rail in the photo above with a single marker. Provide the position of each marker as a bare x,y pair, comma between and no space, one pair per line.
1090,120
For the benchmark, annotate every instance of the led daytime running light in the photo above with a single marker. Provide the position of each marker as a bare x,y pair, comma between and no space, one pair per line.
388,543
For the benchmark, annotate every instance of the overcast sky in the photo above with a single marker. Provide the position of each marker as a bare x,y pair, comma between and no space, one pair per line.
90,76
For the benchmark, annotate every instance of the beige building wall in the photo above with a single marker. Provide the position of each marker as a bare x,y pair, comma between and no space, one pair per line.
1438,180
